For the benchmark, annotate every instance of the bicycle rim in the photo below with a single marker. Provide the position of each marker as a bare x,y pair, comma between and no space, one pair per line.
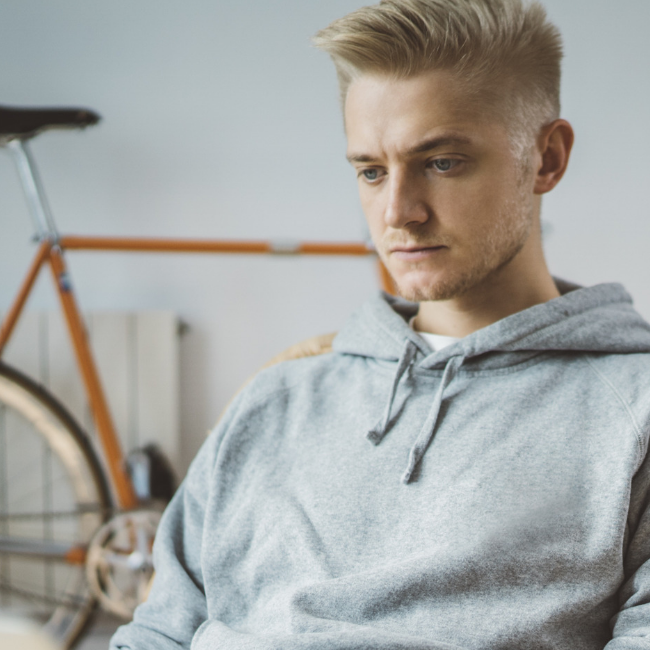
53,496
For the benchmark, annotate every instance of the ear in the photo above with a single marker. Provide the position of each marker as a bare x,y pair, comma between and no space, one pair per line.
554,145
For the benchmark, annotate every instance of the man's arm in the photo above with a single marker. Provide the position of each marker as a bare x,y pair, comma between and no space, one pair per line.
176,606
631,626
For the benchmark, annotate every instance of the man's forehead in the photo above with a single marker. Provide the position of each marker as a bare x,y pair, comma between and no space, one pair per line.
411,115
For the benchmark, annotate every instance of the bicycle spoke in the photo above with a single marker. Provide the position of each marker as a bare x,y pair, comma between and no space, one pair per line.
89,509
42,549
52,499
28,495
67,600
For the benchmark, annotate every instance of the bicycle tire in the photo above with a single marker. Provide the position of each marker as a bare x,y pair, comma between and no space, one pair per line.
53,491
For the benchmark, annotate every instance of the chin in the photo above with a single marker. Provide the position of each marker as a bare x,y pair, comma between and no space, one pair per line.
419,294
435,288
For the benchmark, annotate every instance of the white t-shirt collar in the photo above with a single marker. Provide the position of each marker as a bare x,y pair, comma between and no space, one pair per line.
434,341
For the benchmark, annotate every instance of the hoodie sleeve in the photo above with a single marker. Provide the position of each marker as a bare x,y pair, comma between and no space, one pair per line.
631,626
176,605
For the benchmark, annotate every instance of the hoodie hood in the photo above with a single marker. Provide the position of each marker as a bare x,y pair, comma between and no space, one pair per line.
599,319
583,319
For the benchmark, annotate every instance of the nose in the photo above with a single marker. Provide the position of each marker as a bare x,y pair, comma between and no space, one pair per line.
405,204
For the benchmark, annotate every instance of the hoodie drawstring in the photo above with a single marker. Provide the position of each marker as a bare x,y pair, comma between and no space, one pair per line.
376,434
429,428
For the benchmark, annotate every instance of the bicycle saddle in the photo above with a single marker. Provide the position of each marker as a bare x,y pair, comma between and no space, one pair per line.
24,123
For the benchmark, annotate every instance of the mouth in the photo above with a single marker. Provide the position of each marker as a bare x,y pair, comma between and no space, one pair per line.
413,249
415,253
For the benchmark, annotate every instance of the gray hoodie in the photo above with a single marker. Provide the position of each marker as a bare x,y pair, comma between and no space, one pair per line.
489,495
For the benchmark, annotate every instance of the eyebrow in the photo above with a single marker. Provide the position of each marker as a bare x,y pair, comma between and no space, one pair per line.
422,147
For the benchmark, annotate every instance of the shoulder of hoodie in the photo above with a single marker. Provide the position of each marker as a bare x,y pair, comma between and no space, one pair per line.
285,376
258,392
627,378
292,374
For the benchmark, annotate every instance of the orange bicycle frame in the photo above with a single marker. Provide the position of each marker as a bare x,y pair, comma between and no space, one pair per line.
50,251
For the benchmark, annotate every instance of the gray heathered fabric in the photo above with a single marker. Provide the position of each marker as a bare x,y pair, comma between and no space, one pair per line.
523,524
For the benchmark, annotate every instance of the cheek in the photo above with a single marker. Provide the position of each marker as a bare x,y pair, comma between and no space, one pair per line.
472,205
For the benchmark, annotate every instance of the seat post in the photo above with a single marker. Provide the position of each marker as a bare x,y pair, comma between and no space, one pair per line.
34,192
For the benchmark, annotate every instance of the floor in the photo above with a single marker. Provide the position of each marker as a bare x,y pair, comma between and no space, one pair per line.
99,632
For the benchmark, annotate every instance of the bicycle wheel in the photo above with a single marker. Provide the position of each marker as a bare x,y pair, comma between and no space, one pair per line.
53,497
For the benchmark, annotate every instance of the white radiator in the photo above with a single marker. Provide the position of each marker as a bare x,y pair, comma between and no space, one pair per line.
138,359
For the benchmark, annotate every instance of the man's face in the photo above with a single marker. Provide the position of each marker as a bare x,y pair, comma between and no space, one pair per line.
446,200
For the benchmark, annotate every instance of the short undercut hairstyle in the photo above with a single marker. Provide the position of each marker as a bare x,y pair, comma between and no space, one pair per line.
505,54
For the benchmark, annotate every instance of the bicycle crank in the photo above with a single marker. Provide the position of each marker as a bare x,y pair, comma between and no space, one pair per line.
119,564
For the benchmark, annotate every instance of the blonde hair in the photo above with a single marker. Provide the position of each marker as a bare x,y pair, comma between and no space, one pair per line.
505,53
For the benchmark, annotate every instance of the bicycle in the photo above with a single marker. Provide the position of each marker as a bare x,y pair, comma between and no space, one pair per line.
83,535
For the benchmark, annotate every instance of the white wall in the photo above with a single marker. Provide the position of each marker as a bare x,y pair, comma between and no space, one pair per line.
220,120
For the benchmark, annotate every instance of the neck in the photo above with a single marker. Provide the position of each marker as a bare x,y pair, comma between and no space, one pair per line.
521,284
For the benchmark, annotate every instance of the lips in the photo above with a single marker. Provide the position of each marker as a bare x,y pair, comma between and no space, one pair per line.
415,253
413,249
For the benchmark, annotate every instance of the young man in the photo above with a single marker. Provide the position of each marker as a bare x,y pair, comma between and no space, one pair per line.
466,469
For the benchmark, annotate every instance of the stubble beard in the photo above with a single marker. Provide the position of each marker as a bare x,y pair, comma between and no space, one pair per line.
499,247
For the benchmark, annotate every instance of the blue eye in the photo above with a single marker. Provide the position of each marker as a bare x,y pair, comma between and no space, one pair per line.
443,164
370,174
